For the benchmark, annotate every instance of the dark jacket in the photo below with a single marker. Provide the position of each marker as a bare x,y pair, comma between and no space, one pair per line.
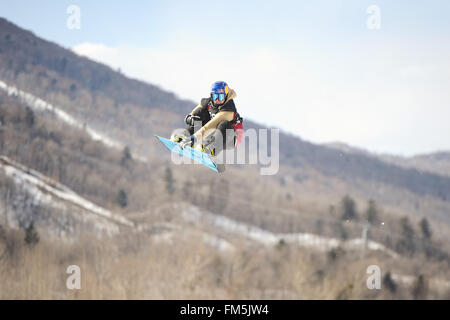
226,111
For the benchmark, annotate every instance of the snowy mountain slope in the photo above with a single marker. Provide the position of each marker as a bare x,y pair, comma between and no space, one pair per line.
112,102
258,235
232,229
35,196
35,193
436,162
38,104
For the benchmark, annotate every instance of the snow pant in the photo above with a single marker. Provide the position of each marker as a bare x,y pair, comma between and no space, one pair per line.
223,137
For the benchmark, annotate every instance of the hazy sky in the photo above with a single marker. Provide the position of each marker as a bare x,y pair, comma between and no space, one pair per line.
312,68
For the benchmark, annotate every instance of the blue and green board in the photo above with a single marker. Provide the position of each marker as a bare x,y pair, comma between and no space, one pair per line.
189,152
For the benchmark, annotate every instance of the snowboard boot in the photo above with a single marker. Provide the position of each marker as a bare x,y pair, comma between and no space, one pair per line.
176,138
212,152
206,149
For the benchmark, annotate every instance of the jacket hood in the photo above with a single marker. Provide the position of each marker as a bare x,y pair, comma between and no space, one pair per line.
231,95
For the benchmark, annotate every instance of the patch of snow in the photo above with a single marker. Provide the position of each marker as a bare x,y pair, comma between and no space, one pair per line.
166,237
410,280
38,104
194,214
165,232
371,245
217,242
36,182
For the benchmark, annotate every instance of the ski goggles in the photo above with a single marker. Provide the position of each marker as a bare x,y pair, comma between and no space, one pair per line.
217,96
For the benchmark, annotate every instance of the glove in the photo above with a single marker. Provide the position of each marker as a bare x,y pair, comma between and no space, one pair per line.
190,119
187,141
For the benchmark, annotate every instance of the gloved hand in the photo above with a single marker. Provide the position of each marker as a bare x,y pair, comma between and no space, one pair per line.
190,119
187,141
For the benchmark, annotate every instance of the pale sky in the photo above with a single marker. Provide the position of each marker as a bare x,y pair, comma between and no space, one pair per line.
311,68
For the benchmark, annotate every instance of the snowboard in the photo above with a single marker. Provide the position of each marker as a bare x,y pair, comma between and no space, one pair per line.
189,152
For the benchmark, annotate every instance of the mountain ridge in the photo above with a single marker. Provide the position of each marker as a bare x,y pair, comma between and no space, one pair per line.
110,101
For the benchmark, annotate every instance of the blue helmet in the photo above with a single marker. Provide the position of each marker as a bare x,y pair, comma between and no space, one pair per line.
219,91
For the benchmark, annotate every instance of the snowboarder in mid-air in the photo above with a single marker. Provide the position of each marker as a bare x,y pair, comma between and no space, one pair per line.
214,125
